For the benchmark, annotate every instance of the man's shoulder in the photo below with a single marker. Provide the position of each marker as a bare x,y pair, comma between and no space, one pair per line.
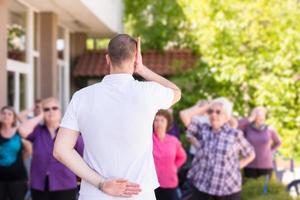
86,90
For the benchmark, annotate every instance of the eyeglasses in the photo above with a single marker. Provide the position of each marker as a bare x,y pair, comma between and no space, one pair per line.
211,111
54,108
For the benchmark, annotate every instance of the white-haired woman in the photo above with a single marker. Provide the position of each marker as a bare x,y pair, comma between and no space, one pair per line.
221,152
265,141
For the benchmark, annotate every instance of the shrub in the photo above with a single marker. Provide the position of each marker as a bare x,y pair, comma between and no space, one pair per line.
253,190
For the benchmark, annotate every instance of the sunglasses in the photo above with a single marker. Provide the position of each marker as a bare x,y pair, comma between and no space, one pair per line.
54,108
211,111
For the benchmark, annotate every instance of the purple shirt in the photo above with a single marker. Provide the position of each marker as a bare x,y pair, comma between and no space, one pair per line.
265,142
43,163
174,130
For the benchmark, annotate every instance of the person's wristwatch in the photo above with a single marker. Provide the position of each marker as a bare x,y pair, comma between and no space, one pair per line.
101,184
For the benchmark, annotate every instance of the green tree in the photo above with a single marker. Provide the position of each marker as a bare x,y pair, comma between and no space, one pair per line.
249,51
159,22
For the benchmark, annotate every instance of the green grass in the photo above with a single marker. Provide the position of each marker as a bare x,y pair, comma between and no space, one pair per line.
253,190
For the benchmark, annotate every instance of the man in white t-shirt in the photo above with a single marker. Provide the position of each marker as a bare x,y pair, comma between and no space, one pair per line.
115,119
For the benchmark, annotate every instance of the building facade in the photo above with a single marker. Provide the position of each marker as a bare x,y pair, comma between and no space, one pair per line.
40,40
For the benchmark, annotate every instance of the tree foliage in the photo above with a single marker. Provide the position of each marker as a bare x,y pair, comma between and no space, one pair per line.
249,51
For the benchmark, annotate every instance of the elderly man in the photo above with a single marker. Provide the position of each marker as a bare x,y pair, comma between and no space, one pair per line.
221,152
115,119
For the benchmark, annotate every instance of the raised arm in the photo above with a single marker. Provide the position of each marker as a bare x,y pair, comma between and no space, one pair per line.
186,115
149,75
64,151
27,127
23,116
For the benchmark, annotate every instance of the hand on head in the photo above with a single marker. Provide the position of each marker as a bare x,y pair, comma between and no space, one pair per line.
138,65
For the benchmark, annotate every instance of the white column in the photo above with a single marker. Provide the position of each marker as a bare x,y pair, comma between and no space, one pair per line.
30,57
17,91
66,85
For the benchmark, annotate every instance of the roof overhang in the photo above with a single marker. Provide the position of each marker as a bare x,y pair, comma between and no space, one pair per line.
101,18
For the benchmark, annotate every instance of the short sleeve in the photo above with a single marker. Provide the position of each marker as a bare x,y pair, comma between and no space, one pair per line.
159,96
244,147
70,120
31,137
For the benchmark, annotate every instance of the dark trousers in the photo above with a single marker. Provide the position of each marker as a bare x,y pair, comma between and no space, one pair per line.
13,190
256,173
197,195
166,194
54,195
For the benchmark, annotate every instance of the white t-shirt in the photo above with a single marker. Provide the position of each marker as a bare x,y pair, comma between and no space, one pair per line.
115,119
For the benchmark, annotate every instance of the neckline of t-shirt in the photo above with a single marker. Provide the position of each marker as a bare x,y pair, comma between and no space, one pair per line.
120,76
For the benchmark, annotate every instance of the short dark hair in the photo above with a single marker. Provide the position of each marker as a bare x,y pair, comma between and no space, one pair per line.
121,48
166,114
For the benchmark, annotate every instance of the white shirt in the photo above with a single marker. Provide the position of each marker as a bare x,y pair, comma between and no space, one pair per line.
115,118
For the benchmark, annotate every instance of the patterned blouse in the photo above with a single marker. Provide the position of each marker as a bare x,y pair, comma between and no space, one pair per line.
215,169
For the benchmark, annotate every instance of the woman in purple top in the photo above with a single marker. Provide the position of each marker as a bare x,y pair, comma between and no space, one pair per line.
13,176
265,141
49,179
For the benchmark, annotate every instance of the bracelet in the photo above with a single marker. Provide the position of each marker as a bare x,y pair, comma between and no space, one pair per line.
101,184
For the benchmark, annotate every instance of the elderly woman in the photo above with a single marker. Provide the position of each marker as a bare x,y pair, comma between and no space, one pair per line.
49,180
265,141
13,177
221,152
168,156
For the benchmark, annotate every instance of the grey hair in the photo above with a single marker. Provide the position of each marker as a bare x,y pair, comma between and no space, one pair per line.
226,104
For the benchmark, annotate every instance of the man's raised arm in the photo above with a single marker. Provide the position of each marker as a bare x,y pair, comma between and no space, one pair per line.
149,75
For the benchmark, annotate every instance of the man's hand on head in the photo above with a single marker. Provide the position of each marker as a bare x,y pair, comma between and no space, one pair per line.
138,66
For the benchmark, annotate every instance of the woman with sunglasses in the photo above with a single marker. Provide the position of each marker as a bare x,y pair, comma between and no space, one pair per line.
13,176
265,141
169,156
49,180
221,152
